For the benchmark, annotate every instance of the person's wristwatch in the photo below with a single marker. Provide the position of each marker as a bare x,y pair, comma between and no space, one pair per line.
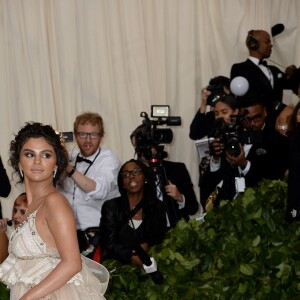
71,172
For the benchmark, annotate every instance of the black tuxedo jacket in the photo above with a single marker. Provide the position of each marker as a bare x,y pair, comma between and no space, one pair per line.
178,174
259,84
268,159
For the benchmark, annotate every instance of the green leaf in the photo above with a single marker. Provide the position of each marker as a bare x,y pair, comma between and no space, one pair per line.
256,241
246,269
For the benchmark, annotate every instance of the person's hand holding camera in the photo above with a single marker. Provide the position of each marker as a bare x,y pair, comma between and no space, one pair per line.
204,95
239,160
216,148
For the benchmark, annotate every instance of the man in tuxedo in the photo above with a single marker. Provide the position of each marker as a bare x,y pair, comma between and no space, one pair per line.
265,81
174,185
263,153
91,179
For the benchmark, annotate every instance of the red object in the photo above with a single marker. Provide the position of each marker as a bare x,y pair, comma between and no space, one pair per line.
97,256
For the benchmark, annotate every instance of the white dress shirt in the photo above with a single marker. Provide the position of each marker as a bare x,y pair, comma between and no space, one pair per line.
87,206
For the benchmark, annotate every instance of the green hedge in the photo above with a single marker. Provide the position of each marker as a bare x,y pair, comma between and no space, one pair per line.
243,250
4,292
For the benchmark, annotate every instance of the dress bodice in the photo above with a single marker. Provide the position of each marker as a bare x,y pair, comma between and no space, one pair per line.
26,243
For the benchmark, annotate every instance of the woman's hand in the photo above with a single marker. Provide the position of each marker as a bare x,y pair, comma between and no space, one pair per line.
204,95
282,120
3,224
216,148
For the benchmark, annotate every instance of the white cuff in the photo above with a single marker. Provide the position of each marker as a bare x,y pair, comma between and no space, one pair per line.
181,205
152,268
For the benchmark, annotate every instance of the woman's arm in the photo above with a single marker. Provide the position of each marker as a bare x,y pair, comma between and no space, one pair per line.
56,225
3,246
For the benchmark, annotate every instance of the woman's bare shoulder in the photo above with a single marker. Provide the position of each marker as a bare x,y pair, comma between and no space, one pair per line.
55,200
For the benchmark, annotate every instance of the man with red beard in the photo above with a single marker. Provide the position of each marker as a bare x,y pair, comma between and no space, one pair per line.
91,179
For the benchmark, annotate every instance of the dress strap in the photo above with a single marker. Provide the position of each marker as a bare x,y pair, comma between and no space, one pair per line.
39,206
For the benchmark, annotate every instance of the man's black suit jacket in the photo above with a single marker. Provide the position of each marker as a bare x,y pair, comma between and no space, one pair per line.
178,174
269,160
259,84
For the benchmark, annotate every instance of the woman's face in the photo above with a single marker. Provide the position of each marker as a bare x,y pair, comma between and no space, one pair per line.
37,159
133,178
19,210
223,110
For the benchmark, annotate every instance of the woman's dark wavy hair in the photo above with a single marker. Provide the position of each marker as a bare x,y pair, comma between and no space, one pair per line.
37,130
229,100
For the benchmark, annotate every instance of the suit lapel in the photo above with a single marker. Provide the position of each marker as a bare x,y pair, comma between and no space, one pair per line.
257,72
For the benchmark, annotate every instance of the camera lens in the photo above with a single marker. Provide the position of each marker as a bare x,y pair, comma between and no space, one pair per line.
162,136
232,146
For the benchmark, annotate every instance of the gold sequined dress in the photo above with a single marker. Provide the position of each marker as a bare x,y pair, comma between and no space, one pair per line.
30,260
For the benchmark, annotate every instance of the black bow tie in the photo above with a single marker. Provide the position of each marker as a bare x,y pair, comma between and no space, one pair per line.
263,62
81,159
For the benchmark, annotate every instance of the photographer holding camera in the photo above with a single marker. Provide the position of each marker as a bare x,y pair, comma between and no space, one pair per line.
203,120
173,182
258,151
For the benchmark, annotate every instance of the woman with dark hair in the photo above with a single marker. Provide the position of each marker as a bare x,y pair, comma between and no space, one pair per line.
44,260
225,112
133,220
203,120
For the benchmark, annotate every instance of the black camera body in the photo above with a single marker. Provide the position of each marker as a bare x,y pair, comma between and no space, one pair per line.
228,135
217,91
148,136
232,134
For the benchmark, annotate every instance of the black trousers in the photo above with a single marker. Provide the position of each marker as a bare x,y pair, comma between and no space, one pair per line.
88,241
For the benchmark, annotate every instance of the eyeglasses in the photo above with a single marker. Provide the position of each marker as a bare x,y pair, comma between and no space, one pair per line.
256,118
84,135
134,172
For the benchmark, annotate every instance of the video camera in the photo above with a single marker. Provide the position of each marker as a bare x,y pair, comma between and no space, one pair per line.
148,136
232,134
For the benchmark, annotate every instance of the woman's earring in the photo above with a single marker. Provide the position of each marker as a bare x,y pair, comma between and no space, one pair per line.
146,181
54,173
21,173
